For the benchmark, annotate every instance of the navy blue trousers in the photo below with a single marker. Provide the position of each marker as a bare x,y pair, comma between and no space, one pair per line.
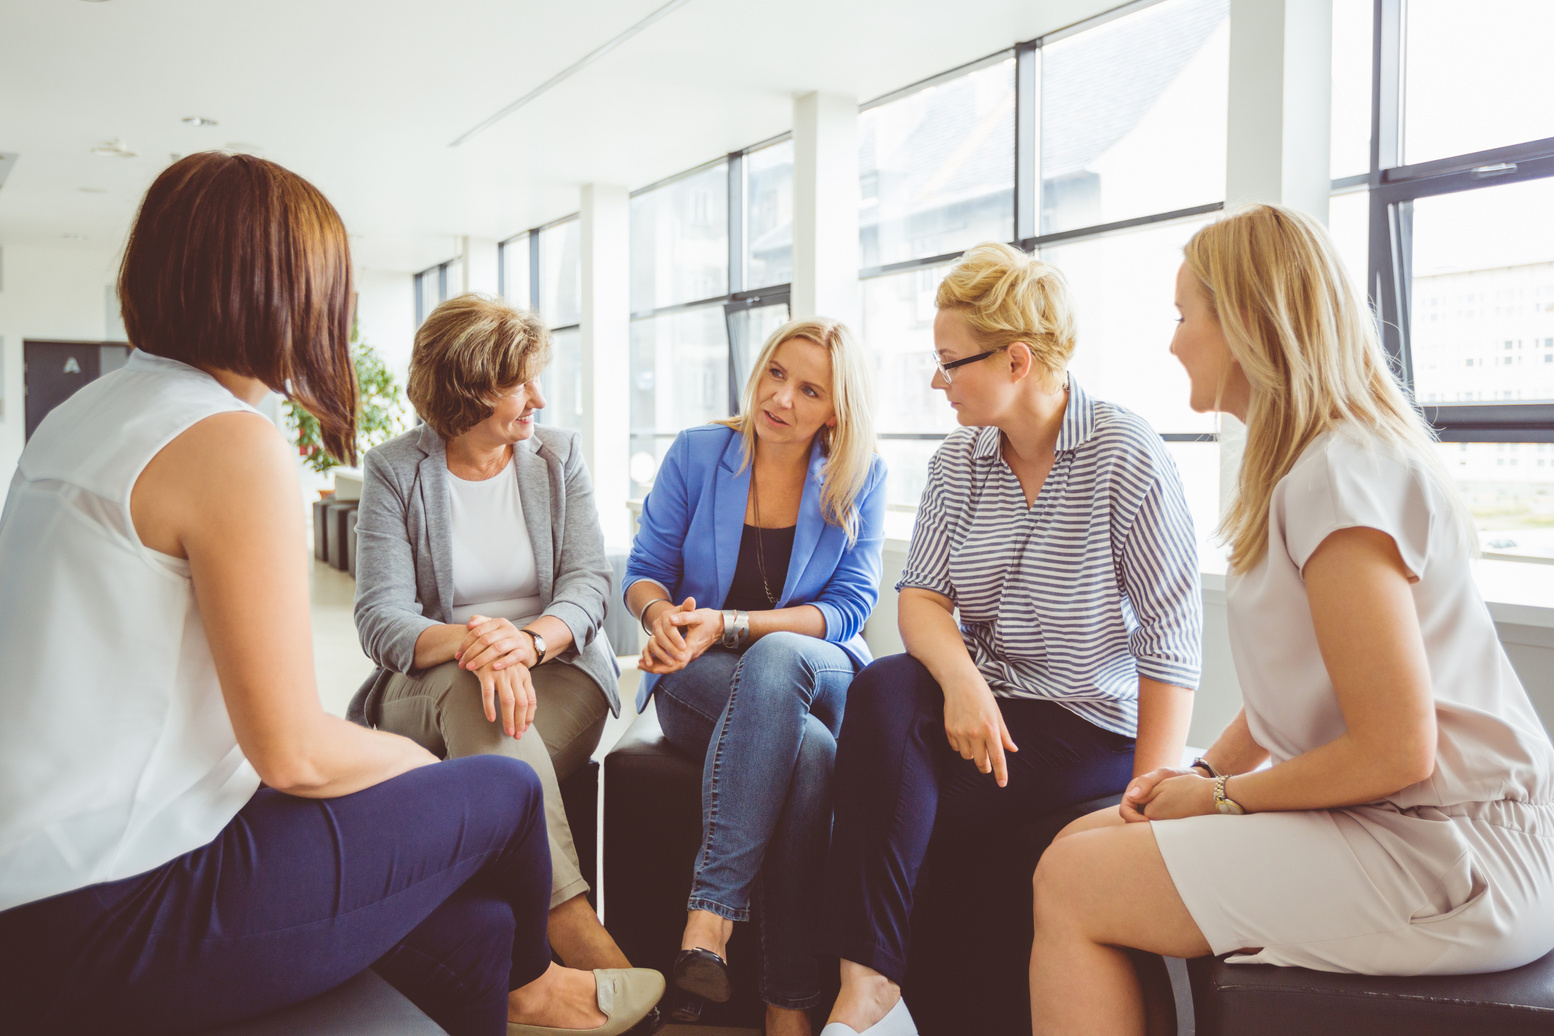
895,774
439,879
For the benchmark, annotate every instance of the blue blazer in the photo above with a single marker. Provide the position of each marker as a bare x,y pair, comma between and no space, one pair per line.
694,517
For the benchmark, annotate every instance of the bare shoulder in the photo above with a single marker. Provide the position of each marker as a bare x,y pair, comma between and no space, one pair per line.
219,469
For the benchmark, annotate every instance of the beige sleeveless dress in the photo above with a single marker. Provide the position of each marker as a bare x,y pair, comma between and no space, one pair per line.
1452,875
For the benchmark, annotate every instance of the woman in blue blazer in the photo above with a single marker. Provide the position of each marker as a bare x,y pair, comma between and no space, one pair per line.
755,566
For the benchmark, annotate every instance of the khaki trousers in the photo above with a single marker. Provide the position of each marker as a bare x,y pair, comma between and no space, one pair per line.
440,709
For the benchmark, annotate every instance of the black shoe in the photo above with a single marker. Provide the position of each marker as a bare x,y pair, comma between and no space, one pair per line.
704,973
651,1023
687,1007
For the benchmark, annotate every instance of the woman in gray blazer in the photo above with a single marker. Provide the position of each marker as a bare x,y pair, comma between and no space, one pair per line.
482,582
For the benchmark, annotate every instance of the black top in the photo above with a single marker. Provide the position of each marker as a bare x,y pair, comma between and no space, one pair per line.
747,591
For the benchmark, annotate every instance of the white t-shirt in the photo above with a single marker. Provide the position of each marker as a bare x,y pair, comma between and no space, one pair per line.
494,572
116,751
1491,744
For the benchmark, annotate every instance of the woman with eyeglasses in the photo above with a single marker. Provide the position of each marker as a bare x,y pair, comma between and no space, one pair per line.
1055,525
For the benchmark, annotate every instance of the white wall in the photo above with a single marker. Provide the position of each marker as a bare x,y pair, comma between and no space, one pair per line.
385,311
46,293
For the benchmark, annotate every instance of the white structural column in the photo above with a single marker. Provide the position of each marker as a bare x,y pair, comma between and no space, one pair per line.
1279,131
1281,84
606,345
477,260
825,207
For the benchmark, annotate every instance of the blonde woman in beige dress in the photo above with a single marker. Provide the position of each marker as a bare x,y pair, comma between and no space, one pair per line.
1405,825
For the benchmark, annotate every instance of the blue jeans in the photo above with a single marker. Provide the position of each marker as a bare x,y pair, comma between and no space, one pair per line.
766,722
438,879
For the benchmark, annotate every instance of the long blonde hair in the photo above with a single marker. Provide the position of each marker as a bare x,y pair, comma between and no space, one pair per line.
849,447
1308,345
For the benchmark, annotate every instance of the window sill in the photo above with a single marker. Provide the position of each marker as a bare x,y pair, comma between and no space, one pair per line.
1518,593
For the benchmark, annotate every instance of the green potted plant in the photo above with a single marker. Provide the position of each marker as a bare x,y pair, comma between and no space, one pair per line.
380,409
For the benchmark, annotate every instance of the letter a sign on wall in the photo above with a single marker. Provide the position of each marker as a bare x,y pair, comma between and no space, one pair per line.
72,367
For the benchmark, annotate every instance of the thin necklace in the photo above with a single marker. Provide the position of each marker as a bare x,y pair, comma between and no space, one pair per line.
760,553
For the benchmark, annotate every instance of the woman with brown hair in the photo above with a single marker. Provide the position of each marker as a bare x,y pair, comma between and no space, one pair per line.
187,838
1404,826
481,581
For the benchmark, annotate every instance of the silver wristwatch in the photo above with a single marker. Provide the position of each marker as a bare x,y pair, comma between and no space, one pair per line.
736,628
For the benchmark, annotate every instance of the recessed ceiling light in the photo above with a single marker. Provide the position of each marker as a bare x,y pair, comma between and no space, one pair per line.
198,120
92,190
74,237
113,148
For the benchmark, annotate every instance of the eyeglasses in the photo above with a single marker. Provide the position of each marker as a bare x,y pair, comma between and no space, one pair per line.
945,368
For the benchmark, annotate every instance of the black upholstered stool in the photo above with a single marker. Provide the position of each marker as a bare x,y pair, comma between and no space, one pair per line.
1248,999
320,527
336,516
652,829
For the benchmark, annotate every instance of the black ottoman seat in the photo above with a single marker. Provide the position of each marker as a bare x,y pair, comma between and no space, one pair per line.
1247,999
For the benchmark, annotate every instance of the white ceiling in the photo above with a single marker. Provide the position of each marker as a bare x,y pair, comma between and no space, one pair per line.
363,97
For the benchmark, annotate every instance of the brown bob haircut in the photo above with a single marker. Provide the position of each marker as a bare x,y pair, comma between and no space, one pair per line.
237,264
470,349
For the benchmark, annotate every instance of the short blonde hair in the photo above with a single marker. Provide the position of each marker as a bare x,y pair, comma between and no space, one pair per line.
471,347
1010,297
849,447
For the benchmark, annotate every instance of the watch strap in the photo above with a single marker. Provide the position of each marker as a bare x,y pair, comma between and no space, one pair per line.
539,644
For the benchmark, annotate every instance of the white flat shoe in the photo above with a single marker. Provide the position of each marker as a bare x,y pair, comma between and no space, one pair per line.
897,1022
625,995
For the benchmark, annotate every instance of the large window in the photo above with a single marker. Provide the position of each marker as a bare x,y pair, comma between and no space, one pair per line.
679,240
768,215
515,269
1120,158
1133,115
1460,235
436,285
936,167
705,247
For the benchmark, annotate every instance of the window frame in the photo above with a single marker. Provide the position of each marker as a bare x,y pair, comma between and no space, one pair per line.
1027,174
1393,187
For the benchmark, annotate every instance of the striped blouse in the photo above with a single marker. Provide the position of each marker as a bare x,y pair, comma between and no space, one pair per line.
1079,595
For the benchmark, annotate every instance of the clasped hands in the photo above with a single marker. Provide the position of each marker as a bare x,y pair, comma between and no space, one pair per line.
1168,793
500,656
679,636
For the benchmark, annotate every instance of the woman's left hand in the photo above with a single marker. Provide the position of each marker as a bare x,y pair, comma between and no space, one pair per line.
700,628
1168,794
495,642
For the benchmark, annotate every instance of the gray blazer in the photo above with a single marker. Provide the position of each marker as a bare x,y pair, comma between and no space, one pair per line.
404,557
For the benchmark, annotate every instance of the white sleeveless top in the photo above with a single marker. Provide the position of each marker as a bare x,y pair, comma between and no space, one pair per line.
116,752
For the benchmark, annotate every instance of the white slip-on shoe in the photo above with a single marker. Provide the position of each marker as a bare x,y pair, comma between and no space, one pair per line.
897,1022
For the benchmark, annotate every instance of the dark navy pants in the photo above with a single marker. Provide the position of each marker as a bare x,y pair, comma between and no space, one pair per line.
439,879
896,772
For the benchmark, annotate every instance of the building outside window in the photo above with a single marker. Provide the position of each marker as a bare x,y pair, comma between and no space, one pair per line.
1459,229
1108,103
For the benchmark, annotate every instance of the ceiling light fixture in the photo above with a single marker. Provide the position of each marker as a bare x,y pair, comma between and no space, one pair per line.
573,69
114,148
198,120
74,237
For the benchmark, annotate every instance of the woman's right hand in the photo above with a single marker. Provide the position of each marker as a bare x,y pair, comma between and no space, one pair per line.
975,727
510,693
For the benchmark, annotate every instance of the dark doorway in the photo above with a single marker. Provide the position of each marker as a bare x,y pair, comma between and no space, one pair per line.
52,371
